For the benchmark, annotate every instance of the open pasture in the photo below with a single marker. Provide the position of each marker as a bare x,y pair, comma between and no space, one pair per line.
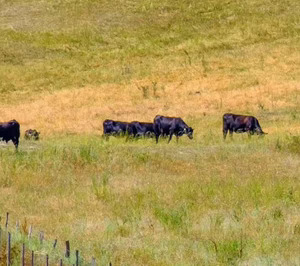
65,66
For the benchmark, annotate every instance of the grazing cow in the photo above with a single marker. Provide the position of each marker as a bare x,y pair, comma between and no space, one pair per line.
167,126
114,128
32,134
137,129
10,131
240,124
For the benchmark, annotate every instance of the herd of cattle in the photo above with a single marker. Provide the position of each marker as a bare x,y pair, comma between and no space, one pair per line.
162,126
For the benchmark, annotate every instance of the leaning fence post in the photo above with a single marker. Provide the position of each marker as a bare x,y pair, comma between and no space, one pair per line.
32,258
23,255
6,222
77,257
8,248
68,249
54,244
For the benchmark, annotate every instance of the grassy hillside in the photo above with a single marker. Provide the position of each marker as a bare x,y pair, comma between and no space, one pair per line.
65,66
50,45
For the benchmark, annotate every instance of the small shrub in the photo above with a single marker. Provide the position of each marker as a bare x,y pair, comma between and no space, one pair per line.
100,187
145,91
174,219
154,88
278,145
229,251
297,229
277,214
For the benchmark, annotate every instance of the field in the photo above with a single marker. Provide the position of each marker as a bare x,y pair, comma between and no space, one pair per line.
65,66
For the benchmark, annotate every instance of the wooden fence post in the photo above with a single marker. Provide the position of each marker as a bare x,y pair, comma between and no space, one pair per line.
60,262
23,255
93,261
54,244
0,237
32,258
29,232
17,226
6,222
8,248
68,249
47,260
0,240
77,257
41,237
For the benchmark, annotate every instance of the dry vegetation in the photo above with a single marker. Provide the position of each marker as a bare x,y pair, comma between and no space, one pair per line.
65,66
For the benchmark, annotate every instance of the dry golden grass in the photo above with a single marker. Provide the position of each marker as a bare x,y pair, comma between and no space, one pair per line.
83,110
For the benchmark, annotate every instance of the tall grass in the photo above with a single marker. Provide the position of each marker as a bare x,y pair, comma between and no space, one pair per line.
133,203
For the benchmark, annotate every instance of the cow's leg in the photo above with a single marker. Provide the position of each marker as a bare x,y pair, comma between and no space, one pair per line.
157,132
177,138
231,133
250,133
171,135
225,133
16,142
156,137
105,136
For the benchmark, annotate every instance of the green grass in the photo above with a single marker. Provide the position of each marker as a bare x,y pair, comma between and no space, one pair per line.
140,203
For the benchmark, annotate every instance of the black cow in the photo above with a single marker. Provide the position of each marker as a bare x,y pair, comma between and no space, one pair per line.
241,124
114,128
32,134
137,129
167,126
10,131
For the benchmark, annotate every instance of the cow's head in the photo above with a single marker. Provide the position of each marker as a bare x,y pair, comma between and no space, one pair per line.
189,131
260,132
